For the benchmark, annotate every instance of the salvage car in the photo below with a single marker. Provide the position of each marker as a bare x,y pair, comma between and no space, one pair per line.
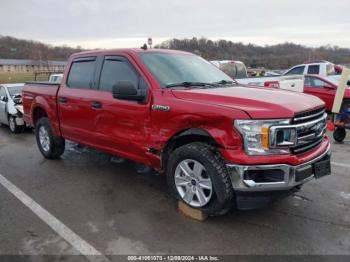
218,143
11,109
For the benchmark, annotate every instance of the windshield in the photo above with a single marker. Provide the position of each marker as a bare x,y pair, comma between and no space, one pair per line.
15,90
170,69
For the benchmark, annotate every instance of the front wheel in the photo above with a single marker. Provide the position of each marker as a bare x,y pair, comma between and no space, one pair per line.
339,134
14,128
197,175
50,146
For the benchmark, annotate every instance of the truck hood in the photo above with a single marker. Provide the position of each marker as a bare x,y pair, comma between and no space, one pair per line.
257,102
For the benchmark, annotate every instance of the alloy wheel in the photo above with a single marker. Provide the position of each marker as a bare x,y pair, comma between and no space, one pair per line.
44,139
193,183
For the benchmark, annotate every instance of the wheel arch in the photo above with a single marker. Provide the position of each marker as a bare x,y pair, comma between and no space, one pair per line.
185,137
38,112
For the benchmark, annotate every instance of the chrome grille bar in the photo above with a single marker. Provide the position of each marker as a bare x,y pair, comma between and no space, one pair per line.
303,118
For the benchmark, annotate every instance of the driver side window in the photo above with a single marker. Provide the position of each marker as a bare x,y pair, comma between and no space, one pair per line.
296,71
117,69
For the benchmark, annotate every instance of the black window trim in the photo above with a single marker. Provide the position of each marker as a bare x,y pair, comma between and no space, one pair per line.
92,83
121,58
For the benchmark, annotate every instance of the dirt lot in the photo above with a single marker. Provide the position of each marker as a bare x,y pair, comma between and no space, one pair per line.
115,210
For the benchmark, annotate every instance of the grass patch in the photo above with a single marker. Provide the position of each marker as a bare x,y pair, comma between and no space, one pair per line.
20,77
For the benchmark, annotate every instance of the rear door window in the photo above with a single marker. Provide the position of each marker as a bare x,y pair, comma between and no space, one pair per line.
81,73
313,69
296,71
117,69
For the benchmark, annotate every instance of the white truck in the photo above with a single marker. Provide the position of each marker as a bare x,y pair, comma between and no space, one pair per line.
238,71
55,78
322,68
292,79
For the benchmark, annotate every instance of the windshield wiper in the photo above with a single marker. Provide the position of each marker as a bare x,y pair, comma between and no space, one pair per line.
225,82
189,84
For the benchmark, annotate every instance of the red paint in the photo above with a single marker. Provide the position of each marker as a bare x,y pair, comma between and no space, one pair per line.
130,129
325,93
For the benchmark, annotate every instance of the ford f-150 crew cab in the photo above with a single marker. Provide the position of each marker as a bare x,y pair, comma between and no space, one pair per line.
217,142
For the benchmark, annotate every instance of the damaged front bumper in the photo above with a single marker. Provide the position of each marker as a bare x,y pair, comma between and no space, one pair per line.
258,185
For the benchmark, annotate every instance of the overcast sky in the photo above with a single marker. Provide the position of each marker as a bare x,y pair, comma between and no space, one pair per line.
128,23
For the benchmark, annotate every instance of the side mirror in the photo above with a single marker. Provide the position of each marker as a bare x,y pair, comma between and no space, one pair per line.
3,98
127,90
327,86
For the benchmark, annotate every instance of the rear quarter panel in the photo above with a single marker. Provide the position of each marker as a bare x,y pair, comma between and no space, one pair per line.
41,96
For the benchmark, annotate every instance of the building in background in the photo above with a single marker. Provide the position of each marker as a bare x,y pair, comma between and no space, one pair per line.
24,65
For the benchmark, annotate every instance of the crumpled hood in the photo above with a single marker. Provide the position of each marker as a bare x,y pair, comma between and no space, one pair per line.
257,102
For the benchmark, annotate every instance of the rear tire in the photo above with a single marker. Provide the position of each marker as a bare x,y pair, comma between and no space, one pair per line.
212,190
339,134
14,128
50,146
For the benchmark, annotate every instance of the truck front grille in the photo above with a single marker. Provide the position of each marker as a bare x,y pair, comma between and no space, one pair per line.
309,115
311,127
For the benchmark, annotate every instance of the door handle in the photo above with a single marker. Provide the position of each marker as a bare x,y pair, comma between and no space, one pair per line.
62,100
96,105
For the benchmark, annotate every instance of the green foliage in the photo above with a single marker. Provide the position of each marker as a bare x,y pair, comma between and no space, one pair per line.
279,56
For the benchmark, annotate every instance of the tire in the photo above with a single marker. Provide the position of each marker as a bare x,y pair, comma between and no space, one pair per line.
339,134
220,198
51,147
14,128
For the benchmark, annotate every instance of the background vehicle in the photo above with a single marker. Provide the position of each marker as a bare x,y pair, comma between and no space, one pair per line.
322,68
11,109
218,143
234,69
290,83
55,78
325,88
237,70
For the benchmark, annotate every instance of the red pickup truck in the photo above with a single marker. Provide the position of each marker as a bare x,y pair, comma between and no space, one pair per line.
219,143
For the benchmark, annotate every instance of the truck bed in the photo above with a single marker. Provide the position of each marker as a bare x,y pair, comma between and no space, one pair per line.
291,83
37,93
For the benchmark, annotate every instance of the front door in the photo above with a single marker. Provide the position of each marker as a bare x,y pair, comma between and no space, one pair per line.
121,125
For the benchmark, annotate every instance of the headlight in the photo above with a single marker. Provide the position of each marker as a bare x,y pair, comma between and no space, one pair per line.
260,138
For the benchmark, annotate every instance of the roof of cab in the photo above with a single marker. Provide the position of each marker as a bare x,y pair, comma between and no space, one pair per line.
128,50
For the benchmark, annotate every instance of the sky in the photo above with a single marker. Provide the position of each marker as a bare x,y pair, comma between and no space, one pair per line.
128,23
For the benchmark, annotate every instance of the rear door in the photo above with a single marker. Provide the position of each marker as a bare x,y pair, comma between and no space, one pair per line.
3,112
75,100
